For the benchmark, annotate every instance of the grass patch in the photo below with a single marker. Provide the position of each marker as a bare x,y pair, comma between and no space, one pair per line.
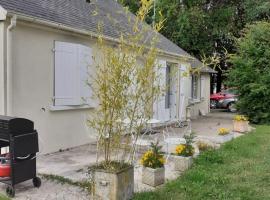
3,197
86,185
239,170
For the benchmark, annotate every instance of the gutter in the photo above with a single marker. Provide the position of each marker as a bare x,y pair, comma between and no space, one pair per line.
12,25
60,26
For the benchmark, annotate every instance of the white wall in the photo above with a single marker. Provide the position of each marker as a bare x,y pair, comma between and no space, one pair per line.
204,103
2,70
33,89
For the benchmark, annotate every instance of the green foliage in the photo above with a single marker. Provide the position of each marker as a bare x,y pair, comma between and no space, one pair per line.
203,27
250,72
153,158
238,170
123,86
133,5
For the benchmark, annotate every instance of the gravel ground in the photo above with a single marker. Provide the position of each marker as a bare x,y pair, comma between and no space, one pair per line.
49,190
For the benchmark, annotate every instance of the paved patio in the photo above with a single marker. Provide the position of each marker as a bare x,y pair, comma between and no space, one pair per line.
73,163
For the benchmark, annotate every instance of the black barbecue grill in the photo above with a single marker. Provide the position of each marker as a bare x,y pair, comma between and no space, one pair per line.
22,139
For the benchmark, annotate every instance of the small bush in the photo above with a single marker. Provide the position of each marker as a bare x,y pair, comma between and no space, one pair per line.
203,146
250,72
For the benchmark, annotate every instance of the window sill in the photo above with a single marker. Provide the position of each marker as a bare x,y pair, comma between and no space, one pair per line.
63,108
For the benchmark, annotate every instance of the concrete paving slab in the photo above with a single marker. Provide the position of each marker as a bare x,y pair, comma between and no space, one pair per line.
73,163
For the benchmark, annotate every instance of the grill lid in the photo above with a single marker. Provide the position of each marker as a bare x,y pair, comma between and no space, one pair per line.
15,126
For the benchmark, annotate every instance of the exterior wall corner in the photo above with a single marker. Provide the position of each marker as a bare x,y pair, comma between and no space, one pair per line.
2,66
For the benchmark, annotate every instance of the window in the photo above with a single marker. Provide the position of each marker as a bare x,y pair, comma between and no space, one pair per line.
195,87
203,85
72,62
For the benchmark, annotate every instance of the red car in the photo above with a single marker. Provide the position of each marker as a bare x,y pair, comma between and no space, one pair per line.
224,94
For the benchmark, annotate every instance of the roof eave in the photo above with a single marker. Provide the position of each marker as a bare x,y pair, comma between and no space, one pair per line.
60,26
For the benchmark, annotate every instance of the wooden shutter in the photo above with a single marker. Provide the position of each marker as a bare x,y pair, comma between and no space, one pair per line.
85,64
66,74
160,112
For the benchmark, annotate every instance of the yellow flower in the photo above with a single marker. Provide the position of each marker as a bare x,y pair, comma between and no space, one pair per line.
180,148
223,131
162,160
240,118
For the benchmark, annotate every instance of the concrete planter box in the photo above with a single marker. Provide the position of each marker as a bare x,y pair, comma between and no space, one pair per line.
240,126
153,177
182,163
114,186
224,138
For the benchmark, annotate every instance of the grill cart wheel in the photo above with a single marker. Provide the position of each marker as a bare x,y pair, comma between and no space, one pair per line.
10,191
37,182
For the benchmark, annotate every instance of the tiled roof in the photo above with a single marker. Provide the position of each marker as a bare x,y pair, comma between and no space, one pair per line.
198,64
84,16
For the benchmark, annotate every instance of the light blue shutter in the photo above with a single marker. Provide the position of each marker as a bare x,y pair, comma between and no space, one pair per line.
86,66
66,74
160,112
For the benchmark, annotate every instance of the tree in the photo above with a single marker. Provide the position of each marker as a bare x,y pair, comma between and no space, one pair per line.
250,73
123,86
207,27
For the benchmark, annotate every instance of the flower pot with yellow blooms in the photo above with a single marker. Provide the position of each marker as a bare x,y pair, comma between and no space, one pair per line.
153,172
183,157
240,124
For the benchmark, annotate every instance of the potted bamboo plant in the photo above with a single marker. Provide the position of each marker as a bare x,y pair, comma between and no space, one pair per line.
123,87
183,157
153,172
240,124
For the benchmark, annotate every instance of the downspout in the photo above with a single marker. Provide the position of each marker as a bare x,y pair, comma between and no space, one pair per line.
9,101
3,17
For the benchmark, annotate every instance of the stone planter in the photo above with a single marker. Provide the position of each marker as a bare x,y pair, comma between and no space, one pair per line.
114,186
182,163
240,126
153,177
224,138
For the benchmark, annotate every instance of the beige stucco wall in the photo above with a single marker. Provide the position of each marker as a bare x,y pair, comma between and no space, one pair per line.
204,104
33,87
2,68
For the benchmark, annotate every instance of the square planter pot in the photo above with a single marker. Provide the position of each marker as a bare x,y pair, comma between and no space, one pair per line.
240,126
224,138
114,186
153,177
182,163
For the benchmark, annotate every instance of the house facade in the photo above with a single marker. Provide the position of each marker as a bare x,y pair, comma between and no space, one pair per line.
46,48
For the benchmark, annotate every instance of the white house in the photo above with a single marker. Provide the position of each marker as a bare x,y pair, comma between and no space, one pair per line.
45,46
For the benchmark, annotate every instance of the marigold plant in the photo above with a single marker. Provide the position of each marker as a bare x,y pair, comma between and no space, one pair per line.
153,158
204,146
184,150
223,131
240,118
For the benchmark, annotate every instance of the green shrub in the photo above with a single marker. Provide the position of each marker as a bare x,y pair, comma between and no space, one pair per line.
251,72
